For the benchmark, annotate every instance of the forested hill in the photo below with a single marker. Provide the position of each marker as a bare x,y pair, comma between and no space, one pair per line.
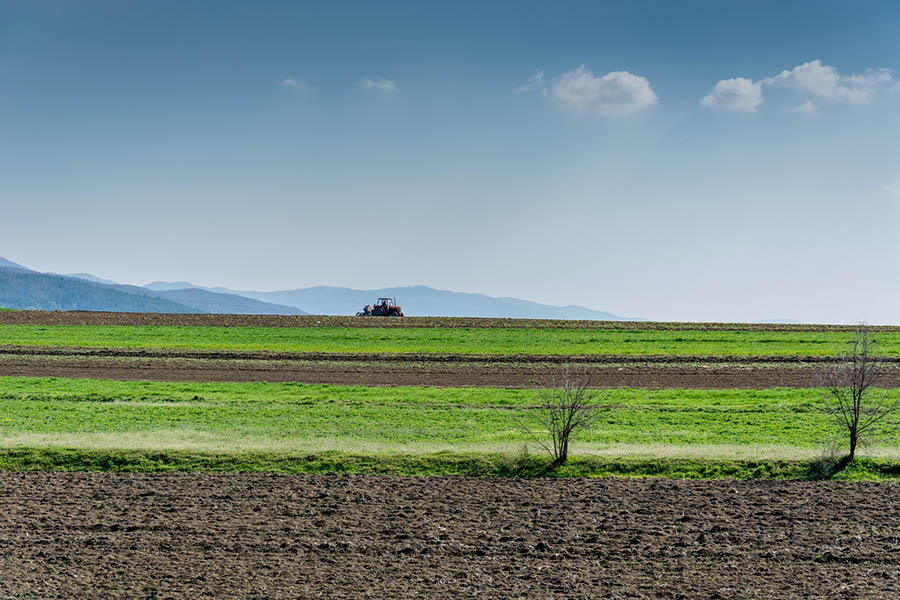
11,265
23,289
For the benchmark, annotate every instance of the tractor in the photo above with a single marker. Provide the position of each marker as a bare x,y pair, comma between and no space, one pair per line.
385,307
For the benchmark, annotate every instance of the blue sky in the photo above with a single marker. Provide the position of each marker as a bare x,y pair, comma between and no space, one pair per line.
669,160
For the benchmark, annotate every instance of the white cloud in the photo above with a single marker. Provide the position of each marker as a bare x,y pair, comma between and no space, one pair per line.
739,94
297,84
824,80
872,77
811,77
616,93
892,189
534,82
385,86
807,108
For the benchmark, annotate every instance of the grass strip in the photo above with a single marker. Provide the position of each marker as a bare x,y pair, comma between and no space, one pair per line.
155,426
293,417
444,464
429,340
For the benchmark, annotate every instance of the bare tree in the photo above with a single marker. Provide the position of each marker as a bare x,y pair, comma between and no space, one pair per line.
858,407
567,406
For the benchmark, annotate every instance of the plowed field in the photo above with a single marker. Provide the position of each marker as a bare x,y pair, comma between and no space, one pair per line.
657,372
38,317
76,535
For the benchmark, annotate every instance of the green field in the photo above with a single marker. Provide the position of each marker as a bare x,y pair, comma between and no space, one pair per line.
94,424
446,340
384,424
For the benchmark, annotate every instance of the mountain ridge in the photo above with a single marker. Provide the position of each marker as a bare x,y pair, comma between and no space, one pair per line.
84,291
416,300
25,289
29,290
11,265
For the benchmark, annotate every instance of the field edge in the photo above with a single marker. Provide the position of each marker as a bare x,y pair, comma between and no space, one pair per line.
439,464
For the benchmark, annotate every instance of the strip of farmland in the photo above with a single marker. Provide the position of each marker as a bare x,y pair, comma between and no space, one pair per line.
431,340
434,395
444,352
523,371
38,317
776,424
104,535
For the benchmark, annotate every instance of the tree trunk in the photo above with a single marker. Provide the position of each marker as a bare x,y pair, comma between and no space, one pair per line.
563,453
853,439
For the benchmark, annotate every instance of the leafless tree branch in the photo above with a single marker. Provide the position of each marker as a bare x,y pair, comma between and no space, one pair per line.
566,406
857,407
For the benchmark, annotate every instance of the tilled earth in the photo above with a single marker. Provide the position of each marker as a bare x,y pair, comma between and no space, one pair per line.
76,317
650,372
103,535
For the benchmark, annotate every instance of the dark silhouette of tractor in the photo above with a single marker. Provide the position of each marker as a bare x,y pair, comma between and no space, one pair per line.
385,307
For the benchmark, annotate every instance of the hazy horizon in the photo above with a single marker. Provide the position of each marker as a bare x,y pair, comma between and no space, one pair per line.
172,285
695,161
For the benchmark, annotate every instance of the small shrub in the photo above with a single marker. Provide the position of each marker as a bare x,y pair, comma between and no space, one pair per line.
566,407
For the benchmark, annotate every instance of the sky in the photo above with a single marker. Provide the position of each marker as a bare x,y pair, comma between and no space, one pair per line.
691,160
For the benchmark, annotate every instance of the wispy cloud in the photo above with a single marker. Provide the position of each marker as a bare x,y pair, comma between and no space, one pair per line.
535,82
807,108
616,93
739,94
384,86
811,77
296,84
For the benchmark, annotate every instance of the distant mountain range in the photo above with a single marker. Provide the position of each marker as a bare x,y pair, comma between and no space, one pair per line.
231,304
89,277
23,288
416,301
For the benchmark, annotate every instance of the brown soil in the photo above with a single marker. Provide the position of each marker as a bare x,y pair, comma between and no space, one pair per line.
37,317
433,357
78,535
411,369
